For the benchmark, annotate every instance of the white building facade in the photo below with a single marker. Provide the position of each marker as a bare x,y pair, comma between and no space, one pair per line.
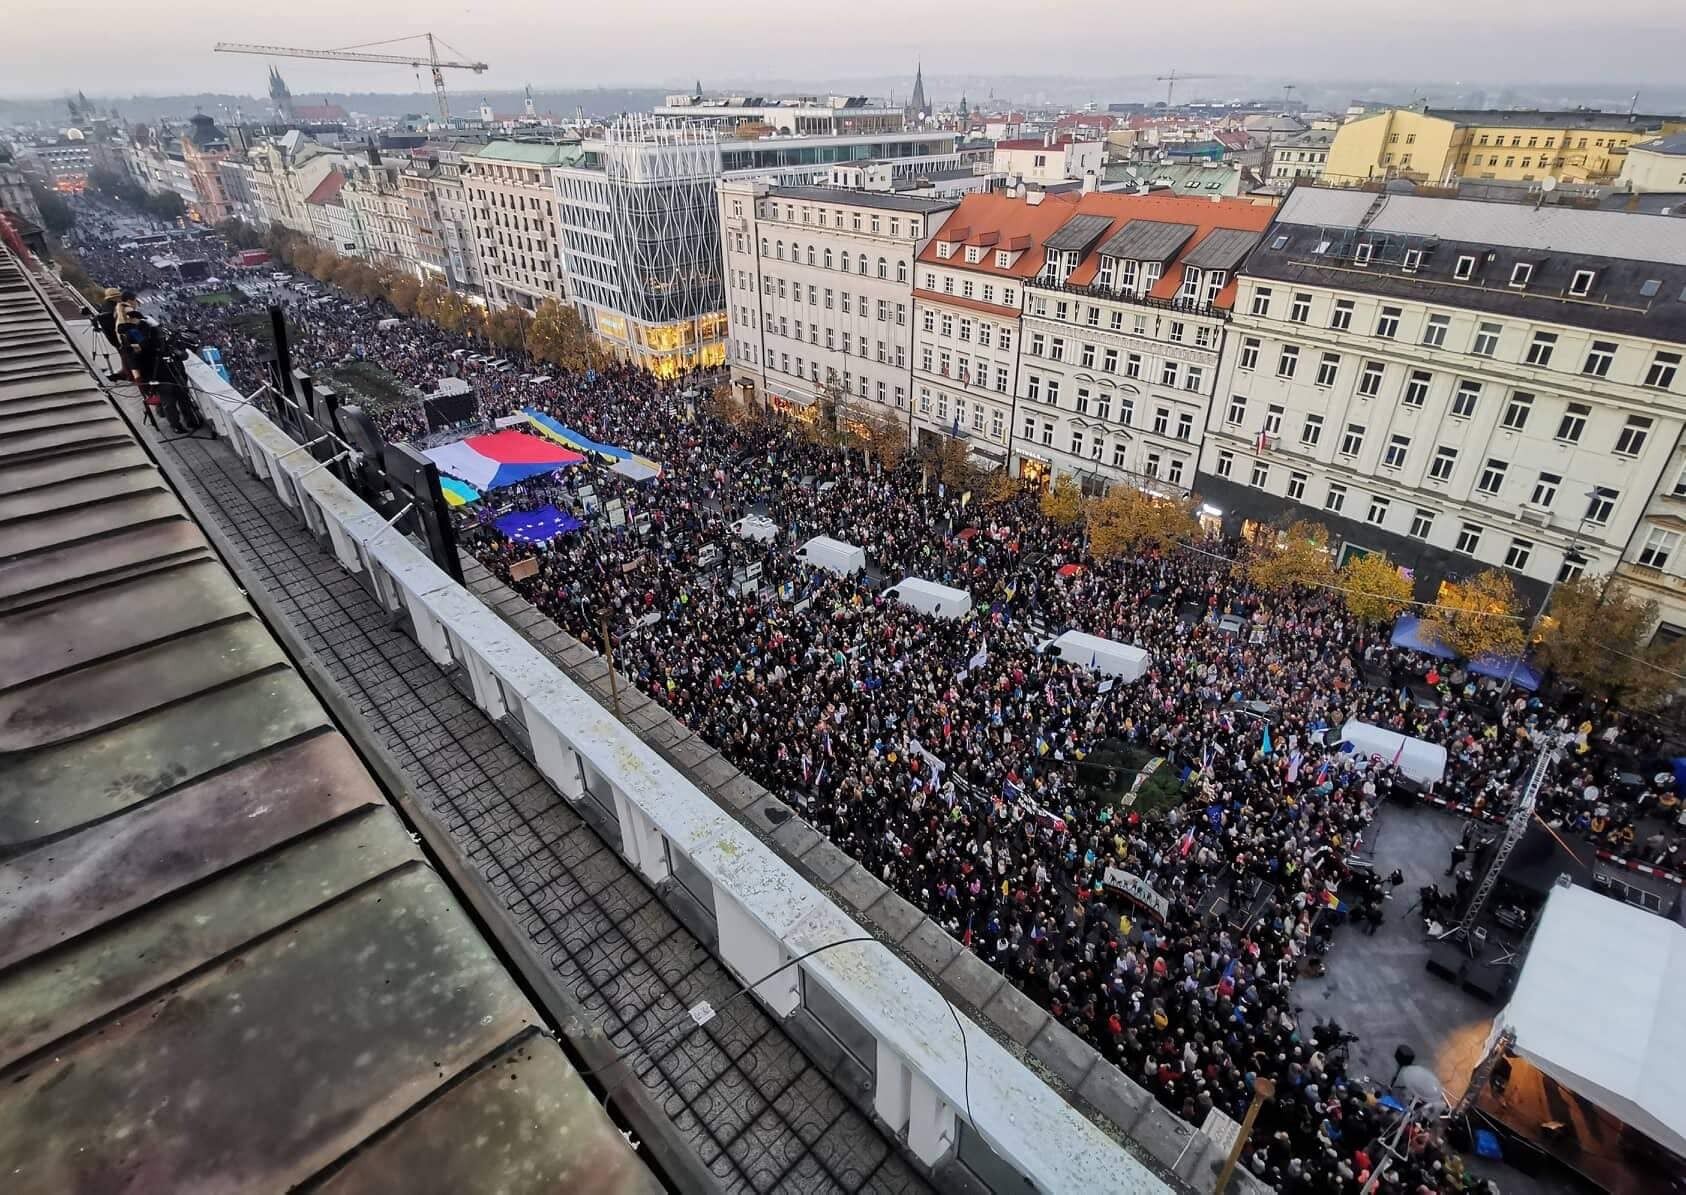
1461,384
819,291
511,192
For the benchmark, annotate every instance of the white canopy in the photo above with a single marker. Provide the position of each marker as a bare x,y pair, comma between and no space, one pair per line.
1421,760
1594,1009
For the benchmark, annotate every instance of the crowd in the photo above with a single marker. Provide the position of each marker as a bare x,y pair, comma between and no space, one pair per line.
944,755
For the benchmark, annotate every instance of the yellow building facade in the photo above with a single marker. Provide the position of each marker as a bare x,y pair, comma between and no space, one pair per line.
1439,147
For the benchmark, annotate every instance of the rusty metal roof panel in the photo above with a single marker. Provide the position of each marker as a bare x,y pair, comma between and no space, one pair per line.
224,962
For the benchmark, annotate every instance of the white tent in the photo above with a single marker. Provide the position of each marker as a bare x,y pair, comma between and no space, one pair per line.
1421,760
1594,1009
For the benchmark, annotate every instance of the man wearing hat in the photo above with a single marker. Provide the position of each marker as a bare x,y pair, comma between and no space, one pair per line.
106,320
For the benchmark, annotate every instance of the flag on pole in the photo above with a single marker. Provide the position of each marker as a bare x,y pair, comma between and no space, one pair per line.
1399,752
979,660
1294,766
1265,746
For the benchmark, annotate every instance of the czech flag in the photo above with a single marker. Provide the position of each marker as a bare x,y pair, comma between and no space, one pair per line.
501,458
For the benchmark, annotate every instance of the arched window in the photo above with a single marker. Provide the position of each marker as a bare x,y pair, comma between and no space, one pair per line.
883,268
781,251
810,255
828,259
765,251
860,266
901,271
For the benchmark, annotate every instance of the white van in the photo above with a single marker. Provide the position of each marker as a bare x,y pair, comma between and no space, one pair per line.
928,597
386,325
1106,656
833,555
756,527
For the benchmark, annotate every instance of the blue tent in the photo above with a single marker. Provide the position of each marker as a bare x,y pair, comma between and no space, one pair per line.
1499,667
1407,633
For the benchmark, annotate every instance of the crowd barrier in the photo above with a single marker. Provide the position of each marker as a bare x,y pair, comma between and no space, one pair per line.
929,1085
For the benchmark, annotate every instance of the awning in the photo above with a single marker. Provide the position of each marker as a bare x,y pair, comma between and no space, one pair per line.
1407,633
1593,1009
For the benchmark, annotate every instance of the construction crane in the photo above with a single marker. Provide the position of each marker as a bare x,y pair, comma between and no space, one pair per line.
430,59
1171,80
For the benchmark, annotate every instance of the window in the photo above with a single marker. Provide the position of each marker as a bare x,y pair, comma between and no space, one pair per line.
1387,324
1133,365
1370,379
1422,523
1599,358
1109,361
1663,368
1659,546
1185,425
1048,434
1336,499
1261,474
1328,366
1288,362
1161,420
1545,490
1492,478
1249,353
1581,284
1365,251
1377,514
1296,487
1261,300
1434,331
1273,420
1469,538
1632,439
1121,455
1465,269
1237,410
1518,554
1521,273
1168,371
1340,319
1445,460
1517,410
1299,311
1573,423
1600,504
1486,340
1416,388
1463,398
1397,448
1226,463
1352,443
1086,357
1037,346
1540,348
1311,431
1192,377
1076,443
1175,333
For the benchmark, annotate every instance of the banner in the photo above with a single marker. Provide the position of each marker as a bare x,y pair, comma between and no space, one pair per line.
1138,890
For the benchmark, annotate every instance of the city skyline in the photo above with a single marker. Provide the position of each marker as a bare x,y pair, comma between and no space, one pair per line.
594,48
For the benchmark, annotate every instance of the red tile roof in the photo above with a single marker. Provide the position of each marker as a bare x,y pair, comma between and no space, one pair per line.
328,190
1009,218
1059,142
1204,213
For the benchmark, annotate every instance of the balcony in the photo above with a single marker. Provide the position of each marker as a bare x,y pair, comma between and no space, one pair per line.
1181,306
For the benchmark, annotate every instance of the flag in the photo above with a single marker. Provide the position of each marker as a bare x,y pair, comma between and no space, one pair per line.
1265,746
1323,774
1185,844
1263,442
1400,751
979,660
1331,901
1294,766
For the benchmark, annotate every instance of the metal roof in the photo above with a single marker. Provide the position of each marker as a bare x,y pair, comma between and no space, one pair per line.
850,197
1148,240
224,963
1079,233
1222,249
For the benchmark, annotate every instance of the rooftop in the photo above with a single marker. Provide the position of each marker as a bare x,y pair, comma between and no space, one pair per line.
850,197
224,961
531,153
1673,145
1534,118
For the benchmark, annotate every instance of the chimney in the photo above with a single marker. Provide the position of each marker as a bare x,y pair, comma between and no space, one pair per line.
374,154
1048,139
1091,184
1034,196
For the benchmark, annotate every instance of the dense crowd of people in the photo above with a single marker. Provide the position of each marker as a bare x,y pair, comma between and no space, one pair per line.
945,754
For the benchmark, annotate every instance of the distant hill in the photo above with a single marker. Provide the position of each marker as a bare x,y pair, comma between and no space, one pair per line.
596,101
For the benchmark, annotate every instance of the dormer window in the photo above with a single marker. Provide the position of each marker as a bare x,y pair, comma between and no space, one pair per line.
1413,260
1521,274
1190,289
945,249
1465,269
1129,271
1104,274
1003,259
1365,250
974,254
1059,265
1150,277
1215,282
1581,284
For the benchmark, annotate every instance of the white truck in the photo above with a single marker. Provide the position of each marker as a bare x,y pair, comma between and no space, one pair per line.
928,597
833,555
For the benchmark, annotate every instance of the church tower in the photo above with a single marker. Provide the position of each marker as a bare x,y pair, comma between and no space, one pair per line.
918,107
279,95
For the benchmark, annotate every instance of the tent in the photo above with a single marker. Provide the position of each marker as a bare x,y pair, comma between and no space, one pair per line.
1593,1009
501,458
1498,667
1407,632
1421,760
636,469
537,526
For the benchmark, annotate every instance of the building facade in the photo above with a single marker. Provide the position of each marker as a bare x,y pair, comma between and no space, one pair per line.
1050,159
835,115
819,292
1301,157
511,193
1461,384
1657,165
204,147
1123,329
374,194
1440,146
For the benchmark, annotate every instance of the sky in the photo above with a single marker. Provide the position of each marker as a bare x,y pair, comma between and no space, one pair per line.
73,44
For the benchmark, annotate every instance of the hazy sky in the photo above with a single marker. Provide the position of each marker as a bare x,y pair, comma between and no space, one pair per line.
165,46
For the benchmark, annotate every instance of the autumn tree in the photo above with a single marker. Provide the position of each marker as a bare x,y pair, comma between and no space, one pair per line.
1003,487
559,336
507,326
1373,587
431,300
1296,557
887,439
404,292
1597,634
1479,616
1127,521
1062,503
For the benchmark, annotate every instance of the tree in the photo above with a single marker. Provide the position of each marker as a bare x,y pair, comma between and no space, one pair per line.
403,292
887,439
1294,558
1373,587
165,205
1479,616
1126,521
1062,503
430,300
1597,635
506,327
56,216
559,336
239,234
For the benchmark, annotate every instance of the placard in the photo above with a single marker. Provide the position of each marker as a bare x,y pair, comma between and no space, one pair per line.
1138,890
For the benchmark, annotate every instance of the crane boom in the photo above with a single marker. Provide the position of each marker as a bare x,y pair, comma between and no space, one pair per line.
429,59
